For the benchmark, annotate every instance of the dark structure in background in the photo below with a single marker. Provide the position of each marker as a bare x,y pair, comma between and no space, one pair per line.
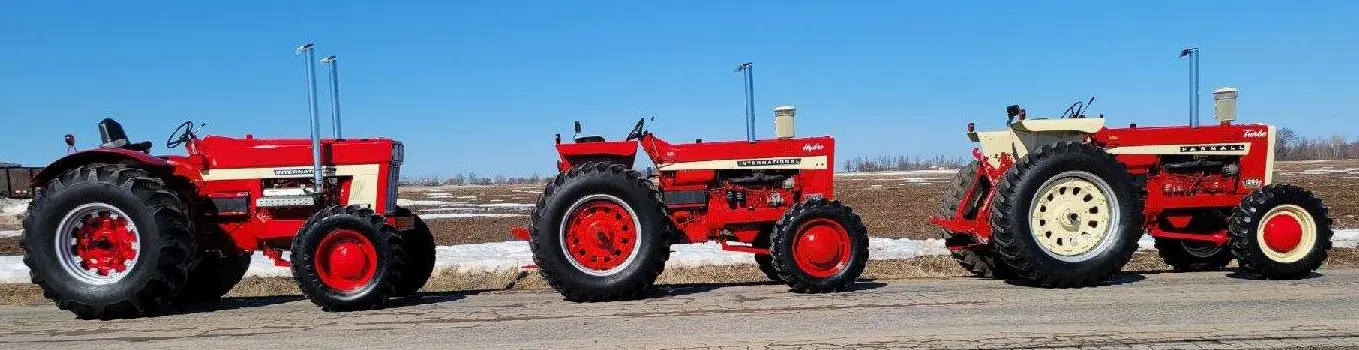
15,180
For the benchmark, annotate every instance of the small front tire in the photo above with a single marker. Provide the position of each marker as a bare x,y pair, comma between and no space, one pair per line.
348,258
1280,232
819,246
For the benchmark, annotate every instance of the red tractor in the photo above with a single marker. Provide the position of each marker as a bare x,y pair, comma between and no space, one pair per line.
602,231
114,232
1062,202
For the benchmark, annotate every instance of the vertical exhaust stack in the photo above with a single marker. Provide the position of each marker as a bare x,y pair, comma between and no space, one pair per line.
783,121
1224,105
747,75
309,60
334,93
1193,54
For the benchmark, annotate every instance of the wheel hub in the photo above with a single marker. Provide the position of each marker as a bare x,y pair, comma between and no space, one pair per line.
1287,233
1072,214
821,248
97,243
346,260
599,234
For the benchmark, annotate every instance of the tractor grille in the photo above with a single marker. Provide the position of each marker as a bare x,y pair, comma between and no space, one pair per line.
394,175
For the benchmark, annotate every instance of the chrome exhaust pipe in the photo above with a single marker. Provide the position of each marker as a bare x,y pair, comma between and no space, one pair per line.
310,64
334,93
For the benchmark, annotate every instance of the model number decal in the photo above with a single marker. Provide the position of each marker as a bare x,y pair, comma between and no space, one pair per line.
769,162
812,147
1212,148
1255,133
291,172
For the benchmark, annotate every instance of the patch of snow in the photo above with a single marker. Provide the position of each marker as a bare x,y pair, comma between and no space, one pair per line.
1329,170
413,203
466,197
13,207
467,215
10,233
13,270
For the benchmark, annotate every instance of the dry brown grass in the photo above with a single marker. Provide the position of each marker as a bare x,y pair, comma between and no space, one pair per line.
450,281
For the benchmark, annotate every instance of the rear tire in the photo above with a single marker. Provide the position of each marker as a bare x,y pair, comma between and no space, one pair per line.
1042,192
819,246
766,261
613,222
981,263
419,247
78,207
348,258
214,275
1190,256
1280,232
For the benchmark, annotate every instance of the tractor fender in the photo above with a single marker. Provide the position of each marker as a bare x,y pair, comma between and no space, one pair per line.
100,155
620,152
1027,135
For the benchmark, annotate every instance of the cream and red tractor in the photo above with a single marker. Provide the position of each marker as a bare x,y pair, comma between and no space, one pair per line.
1062,202
602,231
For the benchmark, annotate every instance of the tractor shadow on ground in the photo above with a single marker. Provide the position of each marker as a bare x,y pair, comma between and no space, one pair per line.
672,290
233,303
1120,278
1238,274
424,298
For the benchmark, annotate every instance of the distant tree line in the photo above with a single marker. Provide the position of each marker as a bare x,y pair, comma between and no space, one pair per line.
1288,145
888,163
472,179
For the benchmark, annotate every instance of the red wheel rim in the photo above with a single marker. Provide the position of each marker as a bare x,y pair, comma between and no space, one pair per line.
821,248
346,260
599,235
1283,233
98,243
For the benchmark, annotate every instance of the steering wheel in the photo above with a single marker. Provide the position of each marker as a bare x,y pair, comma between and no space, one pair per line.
637,130
181,135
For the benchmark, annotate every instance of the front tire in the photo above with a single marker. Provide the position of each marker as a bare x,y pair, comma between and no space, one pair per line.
108,241
1280,232
1066,216
600,233
819,246
348,258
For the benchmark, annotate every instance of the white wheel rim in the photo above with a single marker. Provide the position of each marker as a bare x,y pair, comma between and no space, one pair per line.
67,237
1307,241
571,211
1072,216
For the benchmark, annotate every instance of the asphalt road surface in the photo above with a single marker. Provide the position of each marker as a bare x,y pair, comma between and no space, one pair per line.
1198,310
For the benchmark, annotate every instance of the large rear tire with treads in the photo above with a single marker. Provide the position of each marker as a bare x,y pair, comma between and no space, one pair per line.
1066,216
600,233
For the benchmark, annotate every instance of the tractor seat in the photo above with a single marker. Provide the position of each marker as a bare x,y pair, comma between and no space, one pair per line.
589,138
113,136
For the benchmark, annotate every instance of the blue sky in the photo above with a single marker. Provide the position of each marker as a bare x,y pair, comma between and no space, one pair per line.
482,85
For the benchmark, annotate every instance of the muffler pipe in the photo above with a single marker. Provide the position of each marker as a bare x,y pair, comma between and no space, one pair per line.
309,62
334,93
747,73
1193,54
